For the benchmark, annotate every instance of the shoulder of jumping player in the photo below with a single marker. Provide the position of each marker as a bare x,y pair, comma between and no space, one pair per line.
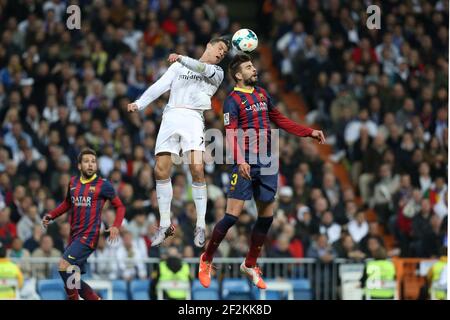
265,96
218,68
231,101
174,68
261,90
218,73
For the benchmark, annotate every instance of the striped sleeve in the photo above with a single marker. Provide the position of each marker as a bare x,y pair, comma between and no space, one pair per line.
109,193
64,206
283,122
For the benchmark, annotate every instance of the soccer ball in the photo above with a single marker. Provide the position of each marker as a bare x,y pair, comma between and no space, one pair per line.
245,40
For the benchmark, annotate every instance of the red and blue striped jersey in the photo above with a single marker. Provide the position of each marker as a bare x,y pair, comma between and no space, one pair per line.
254,109
86,199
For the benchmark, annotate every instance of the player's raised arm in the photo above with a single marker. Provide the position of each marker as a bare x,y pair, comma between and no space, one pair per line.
290,126
59,210
215,51
213,73
154,91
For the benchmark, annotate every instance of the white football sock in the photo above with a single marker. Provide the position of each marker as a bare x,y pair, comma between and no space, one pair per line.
200,198
164,195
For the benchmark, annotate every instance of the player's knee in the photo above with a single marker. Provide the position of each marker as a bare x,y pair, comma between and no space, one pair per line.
63,265
162,171
197,172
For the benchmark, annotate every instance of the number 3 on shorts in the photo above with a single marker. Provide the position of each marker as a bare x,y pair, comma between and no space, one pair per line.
234,178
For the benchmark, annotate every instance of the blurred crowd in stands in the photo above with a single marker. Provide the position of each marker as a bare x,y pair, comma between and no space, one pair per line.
379,95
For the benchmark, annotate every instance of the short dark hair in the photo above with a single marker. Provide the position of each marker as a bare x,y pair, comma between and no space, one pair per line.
86,151
223,39
236,62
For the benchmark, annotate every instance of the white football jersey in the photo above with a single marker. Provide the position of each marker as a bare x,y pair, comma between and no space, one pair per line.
188,89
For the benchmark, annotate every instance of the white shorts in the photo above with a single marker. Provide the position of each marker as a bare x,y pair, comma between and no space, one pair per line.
181,130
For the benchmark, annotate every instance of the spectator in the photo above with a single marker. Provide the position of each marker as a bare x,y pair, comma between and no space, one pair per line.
424,180
422,229
353,129
103,269
134,250
62,238
16,203
329,227
139,225
294,40
373,247
321,250
187,223
45,250
26,223
281,249
333,193
384,189
285,200
346,248
374,233
18,252
307,225
32,243
8,229
358,227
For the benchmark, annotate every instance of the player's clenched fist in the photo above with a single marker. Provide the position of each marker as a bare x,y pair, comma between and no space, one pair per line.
318,135
132,107
244,171
173,57
46,220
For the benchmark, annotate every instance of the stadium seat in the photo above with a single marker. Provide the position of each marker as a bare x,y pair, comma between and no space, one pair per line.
201,293
51,289
236,289
88,274
102,293
139,289
120,290
302,289
270,294
54,272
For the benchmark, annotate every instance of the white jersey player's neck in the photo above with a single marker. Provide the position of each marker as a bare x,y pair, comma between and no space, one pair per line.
204,59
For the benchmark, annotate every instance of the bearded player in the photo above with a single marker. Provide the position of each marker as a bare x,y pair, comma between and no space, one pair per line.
85,198
249,108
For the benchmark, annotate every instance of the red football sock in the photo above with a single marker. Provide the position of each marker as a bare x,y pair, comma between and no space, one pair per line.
219,232
256,243
259,233
213,244
72,294
87,293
